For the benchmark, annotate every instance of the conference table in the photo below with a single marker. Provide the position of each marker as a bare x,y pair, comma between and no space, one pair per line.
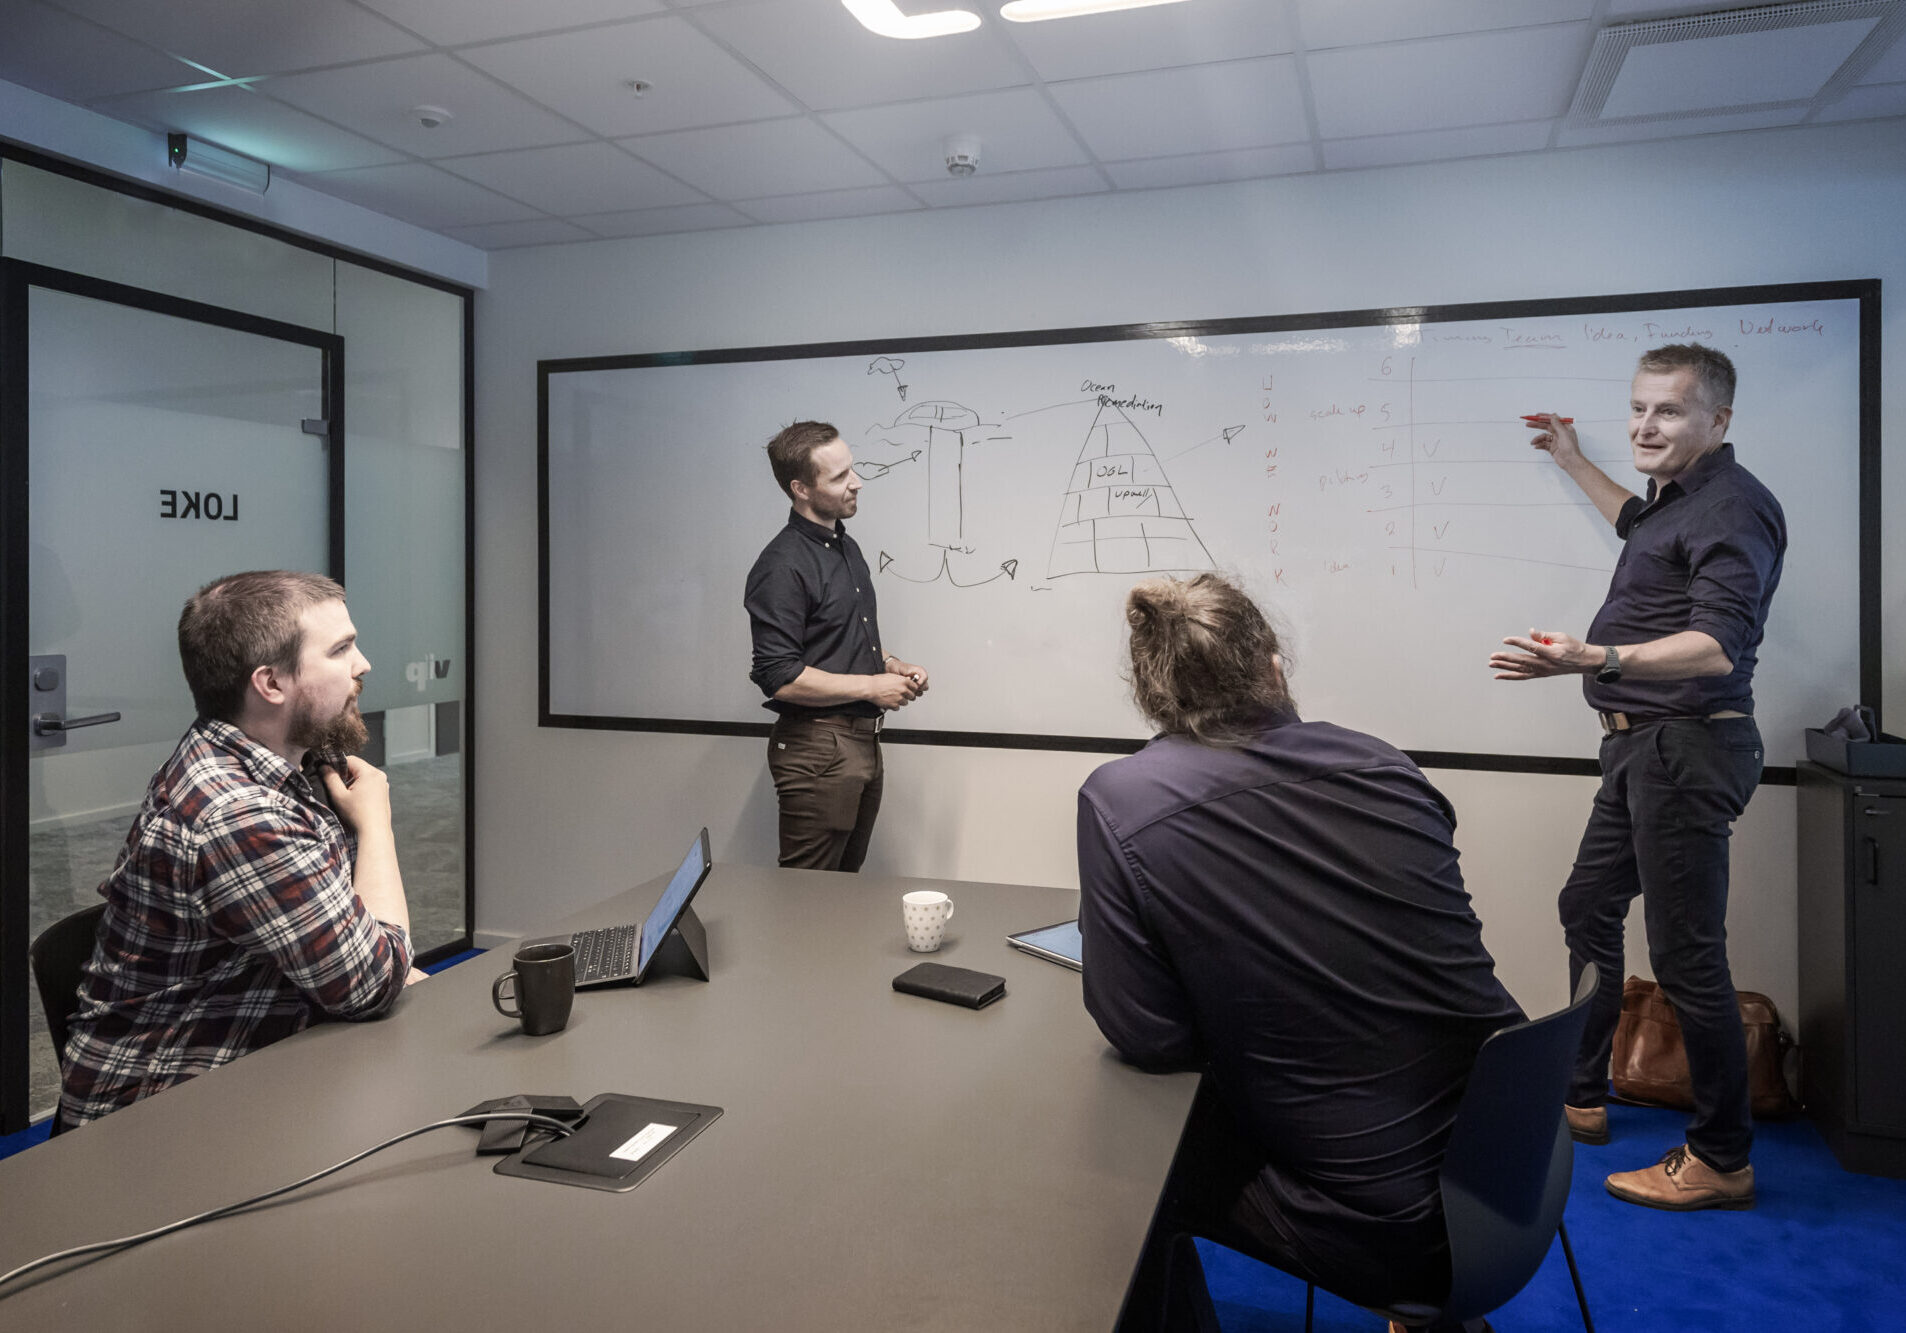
883,1161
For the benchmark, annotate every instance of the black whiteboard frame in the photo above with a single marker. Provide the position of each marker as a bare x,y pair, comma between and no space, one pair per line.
1864,290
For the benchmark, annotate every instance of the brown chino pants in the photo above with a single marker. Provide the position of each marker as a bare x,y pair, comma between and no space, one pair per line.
827,775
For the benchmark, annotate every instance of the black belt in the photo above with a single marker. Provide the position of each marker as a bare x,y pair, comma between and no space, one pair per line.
1614,722
842,721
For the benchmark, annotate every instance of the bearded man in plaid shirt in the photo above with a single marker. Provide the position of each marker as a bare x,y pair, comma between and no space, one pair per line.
244,907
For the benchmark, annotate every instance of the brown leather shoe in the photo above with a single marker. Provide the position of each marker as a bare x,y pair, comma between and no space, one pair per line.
1587,1124
1682,1182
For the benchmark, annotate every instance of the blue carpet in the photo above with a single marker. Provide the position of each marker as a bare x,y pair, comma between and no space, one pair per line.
26,1138
1824,1251
453,960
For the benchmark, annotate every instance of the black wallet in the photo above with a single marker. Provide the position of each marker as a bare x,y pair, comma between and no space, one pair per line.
955,985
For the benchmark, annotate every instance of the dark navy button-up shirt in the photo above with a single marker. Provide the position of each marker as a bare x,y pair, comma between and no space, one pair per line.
1291,914
810,601
1701,553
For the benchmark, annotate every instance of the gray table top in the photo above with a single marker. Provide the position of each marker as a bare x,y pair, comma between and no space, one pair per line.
883,1162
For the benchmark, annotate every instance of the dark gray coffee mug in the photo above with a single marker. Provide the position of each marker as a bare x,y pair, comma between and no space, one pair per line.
545,988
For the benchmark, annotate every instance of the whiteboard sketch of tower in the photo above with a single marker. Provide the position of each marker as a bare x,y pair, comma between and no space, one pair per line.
1120,515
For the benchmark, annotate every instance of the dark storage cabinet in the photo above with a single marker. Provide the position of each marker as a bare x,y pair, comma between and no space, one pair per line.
1852,842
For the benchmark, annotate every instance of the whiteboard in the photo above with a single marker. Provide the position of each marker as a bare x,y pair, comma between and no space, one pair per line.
1366,476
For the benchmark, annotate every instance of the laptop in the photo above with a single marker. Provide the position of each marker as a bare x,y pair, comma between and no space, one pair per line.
1056,944
622,955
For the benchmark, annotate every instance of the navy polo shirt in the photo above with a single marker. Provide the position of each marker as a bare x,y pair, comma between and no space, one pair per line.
810,601
1704,553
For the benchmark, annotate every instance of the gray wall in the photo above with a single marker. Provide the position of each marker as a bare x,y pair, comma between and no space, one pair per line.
564,817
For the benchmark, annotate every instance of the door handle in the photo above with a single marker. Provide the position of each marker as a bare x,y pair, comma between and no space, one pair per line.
45,724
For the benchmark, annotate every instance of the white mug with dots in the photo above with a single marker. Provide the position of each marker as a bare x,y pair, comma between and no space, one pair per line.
927,911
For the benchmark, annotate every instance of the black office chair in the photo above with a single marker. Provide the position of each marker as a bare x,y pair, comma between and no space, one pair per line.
58,955
1506,1172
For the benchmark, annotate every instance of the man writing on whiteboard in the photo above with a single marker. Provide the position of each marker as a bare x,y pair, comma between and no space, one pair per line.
1669,663
818,657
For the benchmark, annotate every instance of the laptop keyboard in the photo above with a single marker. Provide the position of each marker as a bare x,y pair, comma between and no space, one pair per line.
605,954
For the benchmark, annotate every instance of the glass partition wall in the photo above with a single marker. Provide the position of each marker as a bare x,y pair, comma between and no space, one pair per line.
181,397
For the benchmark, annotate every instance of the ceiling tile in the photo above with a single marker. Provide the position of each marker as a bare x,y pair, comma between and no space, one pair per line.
1328,23
1685,127
1438,145
1133,39
256,126
1891,67
376,100
655,221
507,235
821,54
1867,103
1443,82
66,57
1199,108
830,204
763,158
1016,128
1209,168
255,36
585,76
421,193
1741,69
948,192
576,178
454,22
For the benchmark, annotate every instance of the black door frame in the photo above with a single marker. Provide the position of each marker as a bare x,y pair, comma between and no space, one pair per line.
14,152
18,280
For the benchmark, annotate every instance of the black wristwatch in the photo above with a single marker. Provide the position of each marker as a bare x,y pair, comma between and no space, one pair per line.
1611,667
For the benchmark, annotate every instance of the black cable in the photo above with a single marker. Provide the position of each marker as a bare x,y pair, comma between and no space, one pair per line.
124,1242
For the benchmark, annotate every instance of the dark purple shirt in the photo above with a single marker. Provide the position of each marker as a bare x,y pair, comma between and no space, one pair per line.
810,602
1703,553
1291,914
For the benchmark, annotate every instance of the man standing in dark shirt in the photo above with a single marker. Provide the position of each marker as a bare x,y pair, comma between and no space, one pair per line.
1278,903
817,656
1669,664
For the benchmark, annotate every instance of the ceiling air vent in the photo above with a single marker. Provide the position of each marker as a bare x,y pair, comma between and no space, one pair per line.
1739,60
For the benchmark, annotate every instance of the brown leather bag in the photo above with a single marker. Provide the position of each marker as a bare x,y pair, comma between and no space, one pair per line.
1651,1065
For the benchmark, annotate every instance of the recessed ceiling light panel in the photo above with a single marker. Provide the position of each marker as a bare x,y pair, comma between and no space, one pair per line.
1034,11
883,18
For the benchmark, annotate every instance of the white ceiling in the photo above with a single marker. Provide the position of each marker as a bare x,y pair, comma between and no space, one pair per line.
764,111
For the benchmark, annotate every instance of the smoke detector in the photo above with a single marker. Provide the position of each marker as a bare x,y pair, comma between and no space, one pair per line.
430,117
962,154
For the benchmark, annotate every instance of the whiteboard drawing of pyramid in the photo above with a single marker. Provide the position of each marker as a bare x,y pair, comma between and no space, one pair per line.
1120,515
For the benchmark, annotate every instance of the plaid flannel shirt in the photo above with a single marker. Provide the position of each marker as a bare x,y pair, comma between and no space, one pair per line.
230,924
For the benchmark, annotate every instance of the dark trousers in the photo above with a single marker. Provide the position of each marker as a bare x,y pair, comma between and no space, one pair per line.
827,776
1670,794
1214,1191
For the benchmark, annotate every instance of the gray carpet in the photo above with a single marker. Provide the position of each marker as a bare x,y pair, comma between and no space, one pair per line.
426,814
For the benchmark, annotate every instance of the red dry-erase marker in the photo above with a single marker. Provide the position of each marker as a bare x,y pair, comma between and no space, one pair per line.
1543,638
1538,420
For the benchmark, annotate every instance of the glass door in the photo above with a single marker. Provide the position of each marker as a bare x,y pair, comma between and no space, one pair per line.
166,444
